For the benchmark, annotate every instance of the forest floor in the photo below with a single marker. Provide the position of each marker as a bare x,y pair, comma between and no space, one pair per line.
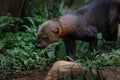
33,75
108,73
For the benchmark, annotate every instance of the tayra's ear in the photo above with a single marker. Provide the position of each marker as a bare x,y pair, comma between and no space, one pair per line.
57,31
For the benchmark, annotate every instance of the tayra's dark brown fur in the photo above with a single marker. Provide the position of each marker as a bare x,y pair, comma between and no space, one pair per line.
83,24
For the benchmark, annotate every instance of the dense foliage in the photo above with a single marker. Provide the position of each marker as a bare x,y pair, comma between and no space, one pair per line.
18,52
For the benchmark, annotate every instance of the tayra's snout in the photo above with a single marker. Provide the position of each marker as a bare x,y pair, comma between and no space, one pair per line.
40,46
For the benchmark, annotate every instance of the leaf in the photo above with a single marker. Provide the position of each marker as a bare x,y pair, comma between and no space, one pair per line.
31,21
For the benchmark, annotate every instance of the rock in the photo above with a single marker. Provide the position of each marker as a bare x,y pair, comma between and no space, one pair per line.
66,68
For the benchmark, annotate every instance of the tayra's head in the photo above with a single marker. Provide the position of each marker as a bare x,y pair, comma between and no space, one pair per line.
48,33
59,27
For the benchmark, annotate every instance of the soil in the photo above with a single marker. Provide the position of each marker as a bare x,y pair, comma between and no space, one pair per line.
33,75
110,73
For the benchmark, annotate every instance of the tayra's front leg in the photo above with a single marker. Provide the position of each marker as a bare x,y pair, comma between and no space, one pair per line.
70,46
93,46
91,37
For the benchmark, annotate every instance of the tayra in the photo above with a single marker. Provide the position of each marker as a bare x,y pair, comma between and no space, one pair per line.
83,24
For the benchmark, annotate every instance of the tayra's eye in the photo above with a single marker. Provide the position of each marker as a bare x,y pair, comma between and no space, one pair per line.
45,38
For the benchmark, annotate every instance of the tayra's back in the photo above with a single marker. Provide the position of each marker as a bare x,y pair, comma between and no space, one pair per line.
97,4
97,12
